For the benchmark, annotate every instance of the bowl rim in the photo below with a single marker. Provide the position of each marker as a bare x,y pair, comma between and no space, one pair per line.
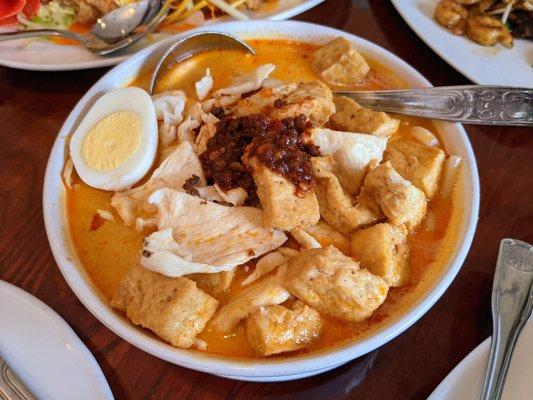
246,369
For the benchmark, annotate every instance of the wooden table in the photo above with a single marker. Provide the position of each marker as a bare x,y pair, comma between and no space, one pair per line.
33,105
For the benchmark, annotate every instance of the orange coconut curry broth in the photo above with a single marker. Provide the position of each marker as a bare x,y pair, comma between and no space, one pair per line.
108,249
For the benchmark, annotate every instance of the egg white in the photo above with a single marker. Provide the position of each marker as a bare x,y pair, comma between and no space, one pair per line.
135,168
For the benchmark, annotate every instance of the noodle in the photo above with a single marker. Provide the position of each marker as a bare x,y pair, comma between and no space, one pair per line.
67,173
449,176
182,9
229,9
424,136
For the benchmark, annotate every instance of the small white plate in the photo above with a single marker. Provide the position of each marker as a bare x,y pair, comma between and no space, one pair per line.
464,382
44,352
40,55
496,65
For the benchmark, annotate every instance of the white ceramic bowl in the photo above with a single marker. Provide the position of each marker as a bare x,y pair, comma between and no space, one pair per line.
455,140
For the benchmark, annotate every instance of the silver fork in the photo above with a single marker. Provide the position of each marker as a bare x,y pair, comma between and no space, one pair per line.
512,303
11,388
483,105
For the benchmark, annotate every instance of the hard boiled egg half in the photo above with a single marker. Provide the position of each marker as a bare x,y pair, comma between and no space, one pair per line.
116,143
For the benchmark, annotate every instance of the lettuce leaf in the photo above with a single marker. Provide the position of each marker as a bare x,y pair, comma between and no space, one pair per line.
51,15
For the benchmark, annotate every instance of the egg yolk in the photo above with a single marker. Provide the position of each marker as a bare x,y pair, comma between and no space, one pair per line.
112,141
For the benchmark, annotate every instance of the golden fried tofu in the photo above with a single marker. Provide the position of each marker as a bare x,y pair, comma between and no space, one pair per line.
214,284
282,208
278,329
416,162
382,249
334,284
173,308
338,63
327,235
312,99
337,207
350,116
399,199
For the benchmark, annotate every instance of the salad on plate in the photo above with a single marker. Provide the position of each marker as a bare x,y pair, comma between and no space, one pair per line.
79,15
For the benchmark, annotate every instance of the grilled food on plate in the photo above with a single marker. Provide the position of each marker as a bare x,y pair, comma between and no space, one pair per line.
487,22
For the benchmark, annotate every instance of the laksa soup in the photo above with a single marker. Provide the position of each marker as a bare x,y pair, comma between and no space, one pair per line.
245,210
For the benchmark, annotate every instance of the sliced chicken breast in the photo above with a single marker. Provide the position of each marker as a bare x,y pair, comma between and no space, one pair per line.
179,166
195,230
353,152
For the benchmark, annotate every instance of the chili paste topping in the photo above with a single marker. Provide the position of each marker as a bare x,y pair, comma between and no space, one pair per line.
277,144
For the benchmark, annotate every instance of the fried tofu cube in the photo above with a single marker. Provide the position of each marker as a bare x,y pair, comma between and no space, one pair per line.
382,249
312,99
282,208
278,329
214,284
338,63
334,284
416,162
337,207
350,116
327,235
399,199
173,308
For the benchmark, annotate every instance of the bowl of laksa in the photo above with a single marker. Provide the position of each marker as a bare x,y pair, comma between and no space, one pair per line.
246,221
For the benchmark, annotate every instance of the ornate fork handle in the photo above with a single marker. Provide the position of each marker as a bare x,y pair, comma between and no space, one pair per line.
484,105
512,303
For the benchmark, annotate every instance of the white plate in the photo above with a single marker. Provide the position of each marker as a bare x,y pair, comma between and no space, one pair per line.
45,56
496,65
455,140
464,382
44,352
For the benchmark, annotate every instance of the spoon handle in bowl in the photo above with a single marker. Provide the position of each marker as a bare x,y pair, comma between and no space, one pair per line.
483,105
512,303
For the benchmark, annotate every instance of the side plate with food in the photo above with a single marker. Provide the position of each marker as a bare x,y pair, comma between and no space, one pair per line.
485,65
63,55
282,230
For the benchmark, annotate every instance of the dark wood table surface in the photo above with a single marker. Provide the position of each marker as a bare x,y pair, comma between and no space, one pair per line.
33,106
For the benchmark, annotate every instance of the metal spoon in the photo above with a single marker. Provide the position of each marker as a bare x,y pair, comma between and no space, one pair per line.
190,46
512,303
111,32
482,105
